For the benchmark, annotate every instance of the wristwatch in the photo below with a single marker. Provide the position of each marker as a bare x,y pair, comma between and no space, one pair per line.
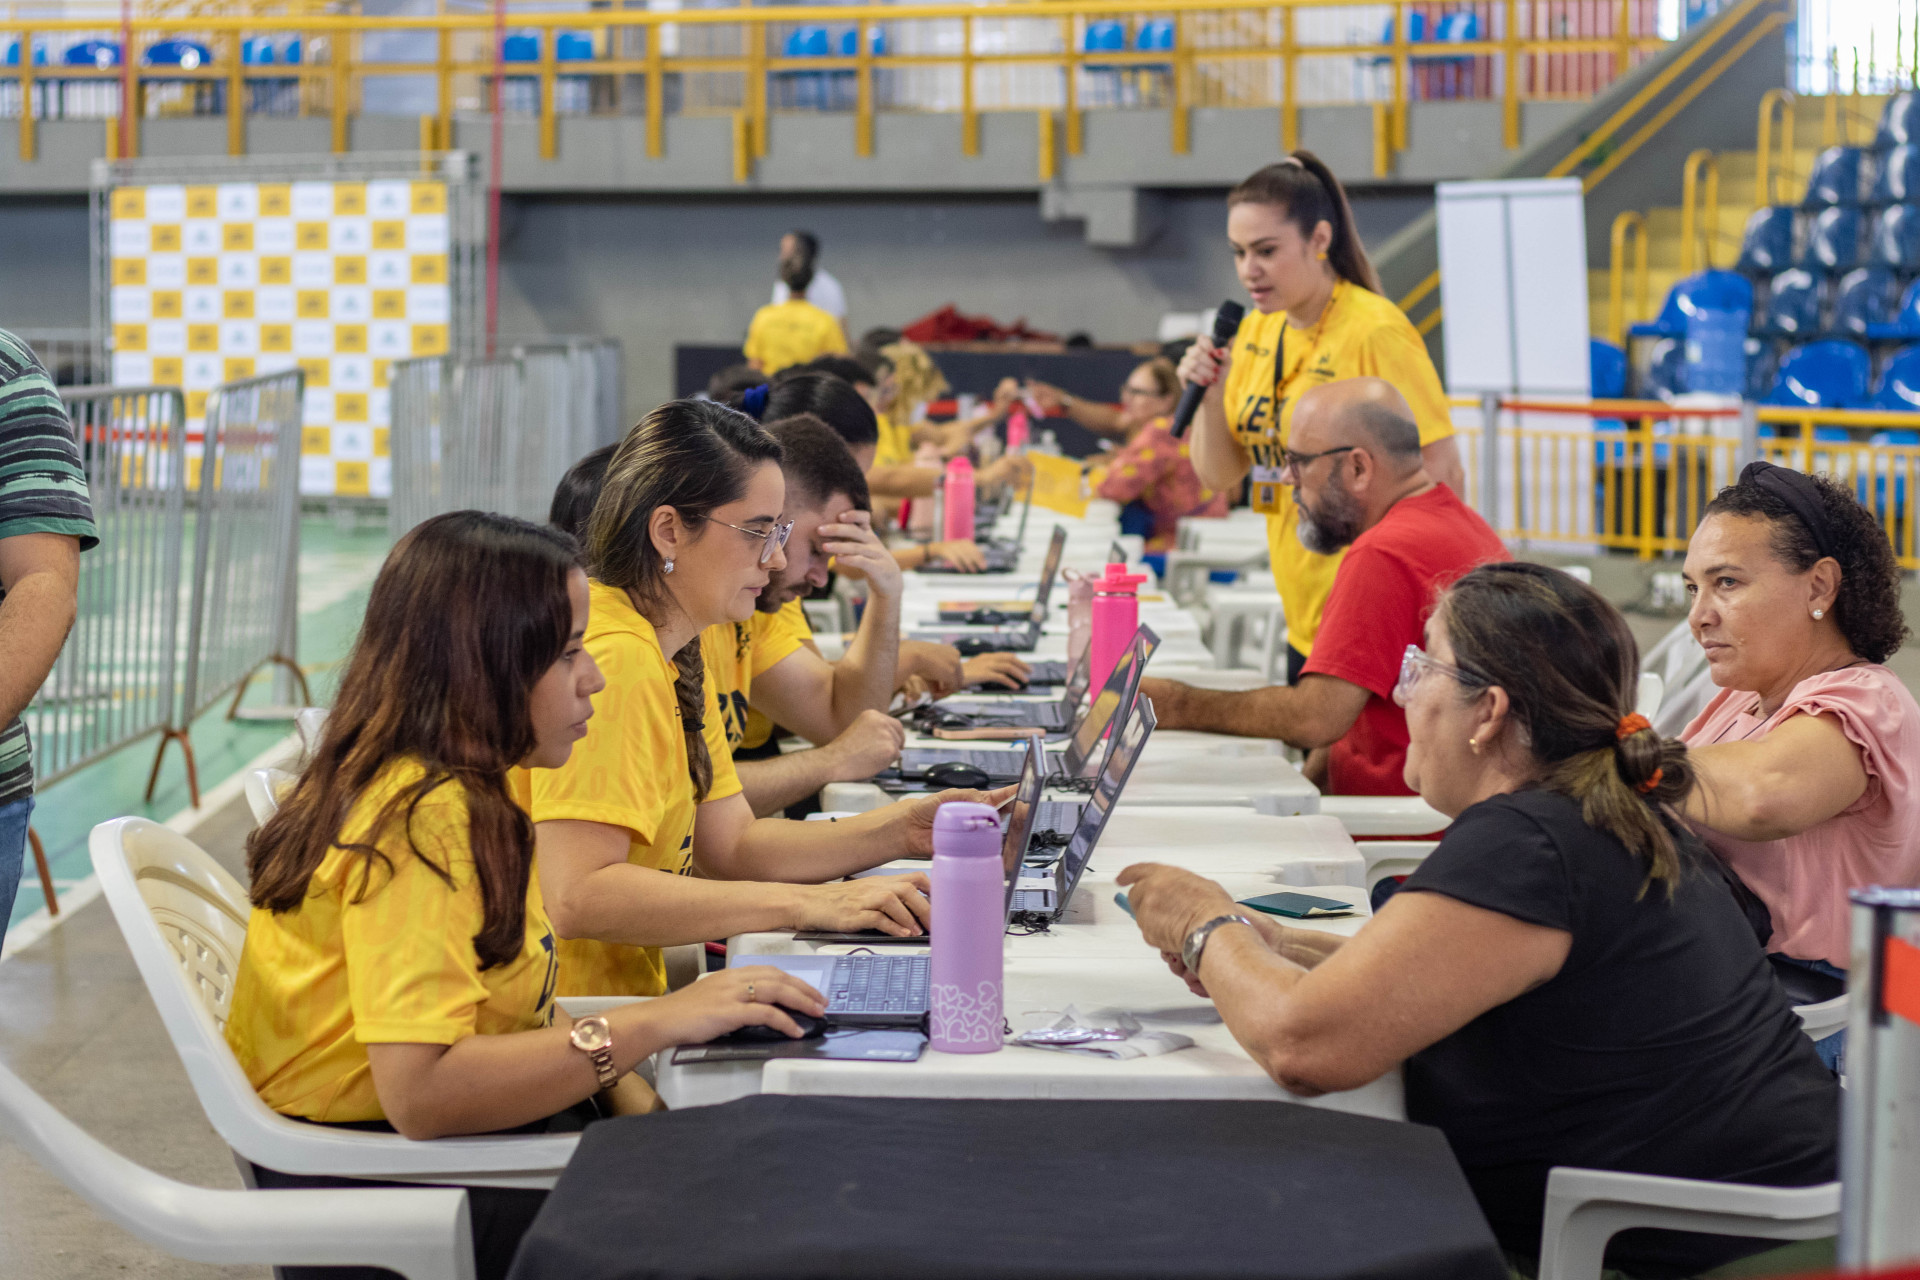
594,1037
1197,940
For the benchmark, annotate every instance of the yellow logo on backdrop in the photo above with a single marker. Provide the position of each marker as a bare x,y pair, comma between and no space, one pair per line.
1059,484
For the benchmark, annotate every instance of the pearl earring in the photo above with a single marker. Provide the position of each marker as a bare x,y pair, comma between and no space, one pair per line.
1819,614
669,566
1475,744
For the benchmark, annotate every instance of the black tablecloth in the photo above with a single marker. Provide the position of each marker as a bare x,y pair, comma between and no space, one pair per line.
787,1188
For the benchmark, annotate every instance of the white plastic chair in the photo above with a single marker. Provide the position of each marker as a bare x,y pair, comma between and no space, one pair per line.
422,1232
1588,1207
1653,691
1387,858
1825,1018
1683,702
266,788
1385,815
308,722
185,920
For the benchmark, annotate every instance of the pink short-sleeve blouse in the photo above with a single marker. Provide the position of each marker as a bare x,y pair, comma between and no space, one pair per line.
1804,879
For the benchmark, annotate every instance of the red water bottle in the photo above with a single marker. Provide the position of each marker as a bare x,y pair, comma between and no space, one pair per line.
1116,616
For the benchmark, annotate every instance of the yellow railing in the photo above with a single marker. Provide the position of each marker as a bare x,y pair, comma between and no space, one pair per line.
1634,475
1775,102
1224,53
1627,224
1699,212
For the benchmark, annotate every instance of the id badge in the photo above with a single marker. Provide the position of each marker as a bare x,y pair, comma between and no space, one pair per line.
1266,492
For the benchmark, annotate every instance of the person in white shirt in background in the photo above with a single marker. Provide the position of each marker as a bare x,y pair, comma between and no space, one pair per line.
825,291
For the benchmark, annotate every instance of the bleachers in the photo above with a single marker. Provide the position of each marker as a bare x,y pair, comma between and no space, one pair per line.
1831,296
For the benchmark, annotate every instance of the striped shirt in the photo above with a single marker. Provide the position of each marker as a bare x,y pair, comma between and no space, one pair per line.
42,490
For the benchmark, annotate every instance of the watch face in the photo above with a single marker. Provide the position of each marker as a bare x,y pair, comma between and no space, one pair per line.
591,1034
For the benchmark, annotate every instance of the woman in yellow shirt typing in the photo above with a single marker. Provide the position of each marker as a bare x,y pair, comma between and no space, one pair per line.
399,969
1318,317
684,536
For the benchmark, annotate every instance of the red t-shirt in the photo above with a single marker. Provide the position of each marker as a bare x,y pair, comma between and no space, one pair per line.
1381,596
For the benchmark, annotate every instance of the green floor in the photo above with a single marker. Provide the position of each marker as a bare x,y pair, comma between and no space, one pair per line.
336,568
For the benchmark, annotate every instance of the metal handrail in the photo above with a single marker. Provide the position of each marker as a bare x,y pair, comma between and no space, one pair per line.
336,75
1694,203
1618,315
1780,102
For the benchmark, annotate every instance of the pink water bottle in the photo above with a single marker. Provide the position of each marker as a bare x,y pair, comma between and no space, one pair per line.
969,928
957,500
1018,428
1116,616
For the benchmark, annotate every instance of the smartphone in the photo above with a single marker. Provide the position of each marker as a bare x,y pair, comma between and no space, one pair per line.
1125,903
1299,906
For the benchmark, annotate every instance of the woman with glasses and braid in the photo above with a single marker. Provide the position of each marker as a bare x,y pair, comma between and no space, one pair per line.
687,530
1567,979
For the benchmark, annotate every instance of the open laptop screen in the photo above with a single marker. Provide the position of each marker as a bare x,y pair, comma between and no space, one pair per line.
1114,699
1019,825
1129,741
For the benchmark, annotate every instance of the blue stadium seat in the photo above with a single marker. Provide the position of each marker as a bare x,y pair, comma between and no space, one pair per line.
257,51
1899,123
1822,375
1767,243
12,58
1666,362
1154,36
1836,178
1865,298
1900,389
1702,291
1833,242
1899,178
1906,319
1896,239
1761,364
1103,78
92,53
185,54
573,46
521,46
850,43
1793,306
1607,370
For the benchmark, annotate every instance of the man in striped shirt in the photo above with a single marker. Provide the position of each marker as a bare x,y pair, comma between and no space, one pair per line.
46,521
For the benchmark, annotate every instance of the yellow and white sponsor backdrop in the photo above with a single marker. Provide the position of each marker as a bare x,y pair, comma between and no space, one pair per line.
214,283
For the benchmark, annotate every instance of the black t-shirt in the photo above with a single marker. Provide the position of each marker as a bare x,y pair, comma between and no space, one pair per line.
1662,1046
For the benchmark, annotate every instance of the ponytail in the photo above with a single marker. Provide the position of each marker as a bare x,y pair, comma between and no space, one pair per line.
690,693
1570,670
1307,191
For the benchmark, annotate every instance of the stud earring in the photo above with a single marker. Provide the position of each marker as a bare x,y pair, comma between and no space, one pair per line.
1322,255
669,566
1475,744
1819,614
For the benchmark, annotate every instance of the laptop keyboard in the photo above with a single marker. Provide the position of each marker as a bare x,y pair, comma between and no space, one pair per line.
1057,815
880,984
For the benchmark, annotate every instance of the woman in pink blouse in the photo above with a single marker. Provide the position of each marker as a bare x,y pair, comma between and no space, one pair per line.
1806,757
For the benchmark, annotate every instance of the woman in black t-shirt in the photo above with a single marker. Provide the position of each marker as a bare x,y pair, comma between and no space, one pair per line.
1567,979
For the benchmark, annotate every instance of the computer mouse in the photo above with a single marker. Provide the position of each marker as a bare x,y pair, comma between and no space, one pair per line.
812,1027
951,773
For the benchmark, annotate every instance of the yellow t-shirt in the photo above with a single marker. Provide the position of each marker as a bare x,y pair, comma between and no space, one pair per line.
792,332
896,443
630,771
392,965
736,653
1359,335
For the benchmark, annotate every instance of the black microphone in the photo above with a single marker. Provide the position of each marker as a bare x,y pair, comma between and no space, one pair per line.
1226,323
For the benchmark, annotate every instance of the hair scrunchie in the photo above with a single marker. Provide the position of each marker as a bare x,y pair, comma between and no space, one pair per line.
1651,782
753,401
1630,725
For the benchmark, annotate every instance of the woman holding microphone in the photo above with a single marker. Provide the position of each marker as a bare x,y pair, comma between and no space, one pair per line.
1318,317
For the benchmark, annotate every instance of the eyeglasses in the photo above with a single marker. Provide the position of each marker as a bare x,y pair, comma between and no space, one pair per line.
1298,462
1415,663
772,538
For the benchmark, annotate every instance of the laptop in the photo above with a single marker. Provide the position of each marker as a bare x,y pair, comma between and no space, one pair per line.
1002,764
1047,905
994,712
1009,639
992,612
1002,555
1058,836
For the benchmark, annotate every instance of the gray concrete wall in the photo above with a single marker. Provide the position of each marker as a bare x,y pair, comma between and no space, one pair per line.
654,272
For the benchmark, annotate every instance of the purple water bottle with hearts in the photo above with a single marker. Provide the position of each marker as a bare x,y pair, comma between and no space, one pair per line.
969,930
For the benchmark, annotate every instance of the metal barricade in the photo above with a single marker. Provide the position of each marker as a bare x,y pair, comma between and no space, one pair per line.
1880,1113
497,434
117,675
244,611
